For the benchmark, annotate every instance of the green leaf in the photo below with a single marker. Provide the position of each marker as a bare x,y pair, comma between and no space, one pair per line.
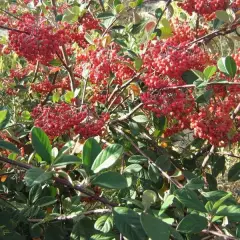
192,223
91,149
132,4
69,95
189,77
139,2
4,117
209,71
163,162
234,173
66,147
154,173
155,228
148,198
9,146
195,184
222,16
112,180
167,202
45,201
227,65
229,211
116,2
160,123
71,14
205,97
56,97
189,199
105,15
138,63
107,157
35,193
138,159
214,195
35,176
199,74
218,164
26,115
104,236
55,62
128,223
41,144
138,27
104,223
140,119
119,8
133,168
65,160
158,13
218,203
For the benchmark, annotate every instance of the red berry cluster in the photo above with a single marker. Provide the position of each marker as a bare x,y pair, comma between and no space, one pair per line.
76,32
212,123
46,86
63,118
36,41
88,22
102,63
203,7
165,60
20,73
236,4
93,127
168,103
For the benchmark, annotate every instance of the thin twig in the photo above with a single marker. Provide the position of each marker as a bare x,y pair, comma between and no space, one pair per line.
35,72
71,216
218,234
236,111
206,159
210,36
13,29
121,88
62,182
125,117
10,14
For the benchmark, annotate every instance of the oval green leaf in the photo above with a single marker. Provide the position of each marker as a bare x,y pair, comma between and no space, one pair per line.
227,65
155,228
192,223
41,144
9,146
107,157
91,149
111,180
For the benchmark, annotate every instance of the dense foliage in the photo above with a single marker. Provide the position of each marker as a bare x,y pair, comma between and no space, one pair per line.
116,122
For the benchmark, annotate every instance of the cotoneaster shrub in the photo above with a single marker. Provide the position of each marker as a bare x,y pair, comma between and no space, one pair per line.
118,126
